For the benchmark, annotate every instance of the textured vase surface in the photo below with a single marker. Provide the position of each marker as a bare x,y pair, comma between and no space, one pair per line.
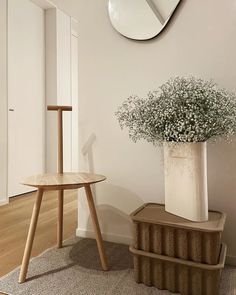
185,166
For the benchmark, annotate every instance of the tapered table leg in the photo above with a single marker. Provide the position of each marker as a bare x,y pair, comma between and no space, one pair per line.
60,219
30,238
96,227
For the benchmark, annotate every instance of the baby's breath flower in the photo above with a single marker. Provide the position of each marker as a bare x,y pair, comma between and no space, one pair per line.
183,110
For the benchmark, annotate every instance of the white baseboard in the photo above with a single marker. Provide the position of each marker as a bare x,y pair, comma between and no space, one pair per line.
4,202
127,240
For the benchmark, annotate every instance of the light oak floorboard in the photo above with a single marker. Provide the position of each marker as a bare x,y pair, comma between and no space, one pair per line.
14,224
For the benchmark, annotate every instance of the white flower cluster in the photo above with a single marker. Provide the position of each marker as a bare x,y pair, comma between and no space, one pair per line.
185,109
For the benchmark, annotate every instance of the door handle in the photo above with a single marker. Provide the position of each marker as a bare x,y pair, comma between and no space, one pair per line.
11,110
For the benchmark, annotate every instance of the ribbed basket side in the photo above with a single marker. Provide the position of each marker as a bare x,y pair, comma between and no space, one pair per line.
145,236
197,246
212,282
176,278
158,275
212,245
146,271
196,282
183,279
137,269
170,276
136,235
168,241
156,233
181,244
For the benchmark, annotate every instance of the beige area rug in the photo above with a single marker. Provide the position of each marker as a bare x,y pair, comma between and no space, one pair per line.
75,269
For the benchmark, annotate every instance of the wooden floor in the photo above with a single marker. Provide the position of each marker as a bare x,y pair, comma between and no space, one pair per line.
14,224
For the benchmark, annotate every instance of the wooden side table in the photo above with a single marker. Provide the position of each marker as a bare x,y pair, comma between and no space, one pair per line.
61,182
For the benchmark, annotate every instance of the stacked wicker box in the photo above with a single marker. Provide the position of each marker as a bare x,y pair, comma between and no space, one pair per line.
176,254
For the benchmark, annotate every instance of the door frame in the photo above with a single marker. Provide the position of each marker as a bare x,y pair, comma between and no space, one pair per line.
3,104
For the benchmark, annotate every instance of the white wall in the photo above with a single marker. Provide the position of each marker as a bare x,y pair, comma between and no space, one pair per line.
58,84
64,80
199,40
74,98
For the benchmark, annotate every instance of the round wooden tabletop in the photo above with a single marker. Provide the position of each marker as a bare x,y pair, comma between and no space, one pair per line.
67,180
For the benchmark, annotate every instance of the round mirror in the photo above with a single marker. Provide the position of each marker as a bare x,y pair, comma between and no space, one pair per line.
140,19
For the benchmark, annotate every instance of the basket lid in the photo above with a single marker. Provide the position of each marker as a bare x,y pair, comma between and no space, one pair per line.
156,214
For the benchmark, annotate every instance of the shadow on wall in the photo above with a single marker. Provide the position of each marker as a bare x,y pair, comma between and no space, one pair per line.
115,225
119,197
222,186
114,218
87,152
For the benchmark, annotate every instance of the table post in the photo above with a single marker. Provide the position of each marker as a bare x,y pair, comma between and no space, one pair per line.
96,227
59,110
60,170
30,238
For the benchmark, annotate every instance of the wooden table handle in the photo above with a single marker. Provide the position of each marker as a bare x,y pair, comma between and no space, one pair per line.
57,108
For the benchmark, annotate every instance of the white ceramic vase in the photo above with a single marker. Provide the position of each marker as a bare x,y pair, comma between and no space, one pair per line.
185,166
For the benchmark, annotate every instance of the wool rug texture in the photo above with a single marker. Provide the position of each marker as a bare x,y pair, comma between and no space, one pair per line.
75,269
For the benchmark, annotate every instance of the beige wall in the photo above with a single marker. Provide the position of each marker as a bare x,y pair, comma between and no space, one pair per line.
58,86
200,40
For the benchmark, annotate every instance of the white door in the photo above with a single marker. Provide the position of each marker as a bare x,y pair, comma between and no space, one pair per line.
26,93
